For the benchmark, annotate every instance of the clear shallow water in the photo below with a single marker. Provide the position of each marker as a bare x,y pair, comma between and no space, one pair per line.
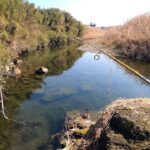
83,83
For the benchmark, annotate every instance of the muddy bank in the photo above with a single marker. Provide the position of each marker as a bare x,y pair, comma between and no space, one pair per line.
125,124
109,50
133,50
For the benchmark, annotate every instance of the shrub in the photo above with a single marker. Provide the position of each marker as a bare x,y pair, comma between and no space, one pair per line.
23,33
58,42
4,36
11,28
132,38
4,55
25,27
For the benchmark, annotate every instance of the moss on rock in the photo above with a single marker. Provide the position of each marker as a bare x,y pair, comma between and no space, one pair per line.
128,126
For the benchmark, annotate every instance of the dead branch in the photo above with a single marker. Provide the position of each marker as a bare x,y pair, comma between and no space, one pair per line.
2,83
2,103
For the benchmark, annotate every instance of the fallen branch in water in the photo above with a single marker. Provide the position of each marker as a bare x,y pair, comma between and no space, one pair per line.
2,83
2,103
3,107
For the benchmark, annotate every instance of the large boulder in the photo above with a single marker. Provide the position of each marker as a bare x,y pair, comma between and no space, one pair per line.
124,125
128,131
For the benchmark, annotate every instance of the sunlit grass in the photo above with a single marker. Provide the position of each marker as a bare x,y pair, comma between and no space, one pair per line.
133,38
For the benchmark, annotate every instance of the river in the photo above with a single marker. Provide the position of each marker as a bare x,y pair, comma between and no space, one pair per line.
76,81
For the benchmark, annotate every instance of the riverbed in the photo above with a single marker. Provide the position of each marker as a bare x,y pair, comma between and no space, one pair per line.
75,82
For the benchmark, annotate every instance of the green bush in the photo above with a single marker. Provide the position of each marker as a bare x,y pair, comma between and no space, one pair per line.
58,42
23,26
23,33
11,28
4,36
4,55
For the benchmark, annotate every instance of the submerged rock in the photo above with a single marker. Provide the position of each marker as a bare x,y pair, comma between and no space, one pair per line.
41,70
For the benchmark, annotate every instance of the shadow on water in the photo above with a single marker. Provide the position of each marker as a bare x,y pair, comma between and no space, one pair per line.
43,101
142,67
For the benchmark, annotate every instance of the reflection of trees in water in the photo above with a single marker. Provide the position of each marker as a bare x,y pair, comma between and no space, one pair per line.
22,88
142,67
55,61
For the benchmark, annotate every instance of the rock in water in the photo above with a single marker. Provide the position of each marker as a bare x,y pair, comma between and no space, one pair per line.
41,70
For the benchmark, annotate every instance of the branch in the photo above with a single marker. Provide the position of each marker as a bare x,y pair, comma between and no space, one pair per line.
2,103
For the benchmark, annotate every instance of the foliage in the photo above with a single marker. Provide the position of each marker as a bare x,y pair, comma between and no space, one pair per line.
4,55
24,27
132,38
61,21
58,42
11,28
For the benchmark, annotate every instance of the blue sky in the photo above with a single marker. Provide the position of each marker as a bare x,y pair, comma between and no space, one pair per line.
102,12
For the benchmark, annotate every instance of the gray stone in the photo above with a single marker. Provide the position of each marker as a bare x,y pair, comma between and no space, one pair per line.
41,70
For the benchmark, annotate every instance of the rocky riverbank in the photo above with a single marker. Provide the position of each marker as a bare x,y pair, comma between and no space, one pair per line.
125,124
75,128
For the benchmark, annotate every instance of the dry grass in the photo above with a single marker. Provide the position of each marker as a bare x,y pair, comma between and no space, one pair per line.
132,38
93,32
4,59
131,104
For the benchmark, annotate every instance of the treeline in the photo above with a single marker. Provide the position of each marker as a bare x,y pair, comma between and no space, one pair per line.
23,27
132,38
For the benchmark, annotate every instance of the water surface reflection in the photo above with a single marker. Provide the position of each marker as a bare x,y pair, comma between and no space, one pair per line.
76,81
